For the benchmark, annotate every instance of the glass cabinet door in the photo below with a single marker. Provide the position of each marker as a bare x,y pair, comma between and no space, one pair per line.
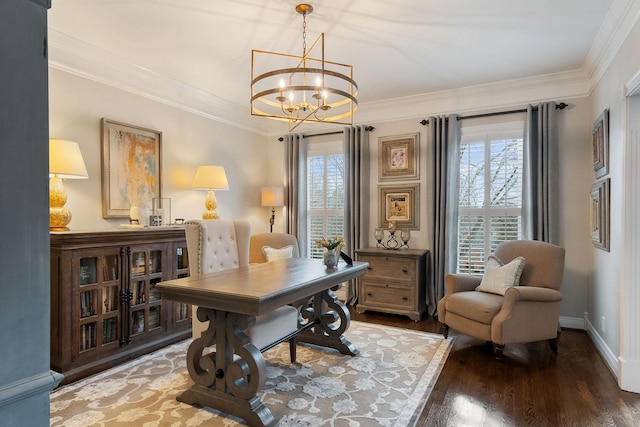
98,276
147,268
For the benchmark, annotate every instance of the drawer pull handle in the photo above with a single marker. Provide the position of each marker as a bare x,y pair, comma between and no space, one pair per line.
369,294
405,298
369,268
404,270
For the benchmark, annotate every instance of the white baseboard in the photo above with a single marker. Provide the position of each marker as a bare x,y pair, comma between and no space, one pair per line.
572,323
629,379
609,357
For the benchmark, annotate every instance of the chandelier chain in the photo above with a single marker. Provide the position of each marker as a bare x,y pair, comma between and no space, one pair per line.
304,35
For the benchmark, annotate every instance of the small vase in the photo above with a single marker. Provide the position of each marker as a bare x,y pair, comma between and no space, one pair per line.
330,258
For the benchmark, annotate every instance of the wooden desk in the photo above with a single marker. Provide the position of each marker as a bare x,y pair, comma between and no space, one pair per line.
228,378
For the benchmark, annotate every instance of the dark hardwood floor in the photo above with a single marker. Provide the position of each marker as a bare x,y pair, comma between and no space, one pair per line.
531,386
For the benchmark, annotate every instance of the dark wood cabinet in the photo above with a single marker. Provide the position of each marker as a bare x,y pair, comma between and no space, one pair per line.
395,281
105,307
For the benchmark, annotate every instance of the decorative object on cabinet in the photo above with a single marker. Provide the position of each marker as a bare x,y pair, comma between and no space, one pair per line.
601,144
398,157
210,178
131,168
65,162
105,307
392,242
274,197
161,207
302,88
395,282
600,221
399,203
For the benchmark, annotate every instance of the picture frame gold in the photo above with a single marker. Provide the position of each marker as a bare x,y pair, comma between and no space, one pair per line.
131,167
600,140
398,157
400,204
600,220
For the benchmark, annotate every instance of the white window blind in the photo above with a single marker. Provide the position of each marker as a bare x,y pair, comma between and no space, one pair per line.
490,198
325,193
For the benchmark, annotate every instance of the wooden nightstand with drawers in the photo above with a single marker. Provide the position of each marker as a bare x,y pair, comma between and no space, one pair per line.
395,281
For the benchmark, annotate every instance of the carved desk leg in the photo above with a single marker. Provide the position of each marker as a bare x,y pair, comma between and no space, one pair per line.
221,382
326,310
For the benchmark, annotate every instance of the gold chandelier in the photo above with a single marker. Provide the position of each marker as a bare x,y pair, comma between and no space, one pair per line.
302,88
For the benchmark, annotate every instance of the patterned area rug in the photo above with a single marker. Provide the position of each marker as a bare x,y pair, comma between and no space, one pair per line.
386,385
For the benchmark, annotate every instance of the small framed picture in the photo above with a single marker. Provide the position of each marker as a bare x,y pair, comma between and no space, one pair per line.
398,157
130,168
399,203
600,222
601,145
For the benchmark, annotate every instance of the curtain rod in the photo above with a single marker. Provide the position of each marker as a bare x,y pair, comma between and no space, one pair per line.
560,106
366,128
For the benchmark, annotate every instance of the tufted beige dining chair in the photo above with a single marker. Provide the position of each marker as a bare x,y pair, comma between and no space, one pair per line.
220,245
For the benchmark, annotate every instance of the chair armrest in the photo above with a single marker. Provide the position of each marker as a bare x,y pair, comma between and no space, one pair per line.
533,293
461,283
529,293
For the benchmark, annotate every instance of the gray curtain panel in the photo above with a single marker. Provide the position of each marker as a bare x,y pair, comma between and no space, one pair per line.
356,224
295,186
540,174
444,137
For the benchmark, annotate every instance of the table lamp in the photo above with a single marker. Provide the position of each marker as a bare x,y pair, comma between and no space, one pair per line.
65,162
210,178
272,196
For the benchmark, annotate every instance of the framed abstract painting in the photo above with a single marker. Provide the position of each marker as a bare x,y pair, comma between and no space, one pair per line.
131,168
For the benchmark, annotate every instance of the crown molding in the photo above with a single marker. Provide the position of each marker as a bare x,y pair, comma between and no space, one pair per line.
498,95
84,60
619,22
77,57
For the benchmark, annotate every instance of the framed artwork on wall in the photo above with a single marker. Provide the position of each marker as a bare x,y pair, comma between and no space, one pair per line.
398,157
131,168
600,221
399,203
601,145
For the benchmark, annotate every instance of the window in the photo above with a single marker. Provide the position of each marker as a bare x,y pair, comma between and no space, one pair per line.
325,193
490,198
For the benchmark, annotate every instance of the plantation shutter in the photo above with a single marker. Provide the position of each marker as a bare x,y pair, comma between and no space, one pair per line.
325,193
490,198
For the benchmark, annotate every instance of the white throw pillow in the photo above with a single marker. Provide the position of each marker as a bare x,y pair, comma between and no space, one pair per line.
499,277
273,254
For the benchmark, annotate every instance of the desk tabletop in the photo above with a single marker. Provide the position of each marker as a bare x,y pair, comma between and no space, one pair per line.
259,288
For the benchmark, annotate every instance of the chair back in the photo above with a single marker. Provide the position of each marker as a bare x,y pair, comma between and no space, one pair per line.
275,240
217,245
544,262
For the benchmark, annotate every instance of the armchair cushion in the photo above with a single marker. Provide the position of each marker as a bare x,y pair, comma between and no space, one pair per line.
273,254
499,277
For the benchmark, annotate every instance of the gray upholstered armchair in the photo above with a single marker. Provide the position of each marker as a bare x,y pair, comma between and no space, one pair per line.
527,312
219,245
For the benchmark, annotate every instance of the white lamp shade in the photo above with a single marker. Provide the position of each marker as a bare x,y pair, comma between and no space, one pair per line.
210,178
65,160
272,196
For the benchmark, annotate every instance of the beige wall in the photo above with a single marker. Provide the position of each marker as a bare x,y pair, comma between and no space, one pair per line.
605,296
76,107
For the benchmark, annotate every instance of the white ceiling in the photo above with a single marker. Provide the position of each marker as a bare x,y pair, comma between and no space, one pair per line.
397,48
